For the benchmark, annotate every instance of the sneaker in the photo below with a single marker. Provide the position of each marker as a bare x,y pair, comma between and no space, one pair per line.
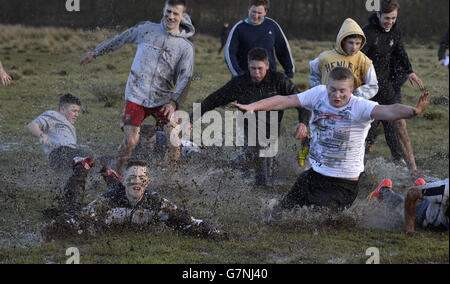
106,172
87,163
387,183
420,182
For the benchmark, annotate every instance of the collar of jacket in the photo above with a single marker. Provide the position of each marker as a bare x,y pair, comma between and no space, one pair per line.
249,22
373,20
187,29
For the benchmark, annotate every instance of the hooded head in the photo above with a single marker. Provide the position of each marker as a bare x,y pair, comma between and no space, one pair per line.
176,21
349,37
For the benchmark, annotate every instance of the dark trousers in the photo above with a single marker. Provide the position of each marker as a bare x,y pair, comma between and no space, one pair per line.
393,96
250,159
314,189
390,134
60,159
74,191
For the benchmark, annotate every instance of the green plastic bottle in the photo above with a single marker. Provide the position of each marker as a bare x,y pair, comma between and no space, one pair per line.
303,154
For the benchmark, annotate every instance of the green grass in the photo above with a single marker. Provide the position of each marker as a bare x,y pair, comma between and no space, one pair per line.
45,63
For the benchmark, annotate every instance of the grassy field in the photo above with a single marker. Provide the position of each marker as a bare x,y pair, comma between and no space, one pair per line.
44,63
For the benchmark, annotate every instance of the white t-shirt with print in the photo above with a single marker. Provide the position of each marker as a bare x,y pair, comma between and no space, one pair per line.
58,129
337,134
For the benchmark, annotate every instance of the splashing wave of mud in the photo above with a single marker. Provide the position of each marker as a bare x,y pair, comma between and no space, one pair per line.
209,189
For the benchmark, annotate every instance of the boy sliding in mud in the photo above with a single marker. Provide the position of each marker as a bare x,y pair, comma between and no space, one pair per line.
56,132
128,202
339,126
425,205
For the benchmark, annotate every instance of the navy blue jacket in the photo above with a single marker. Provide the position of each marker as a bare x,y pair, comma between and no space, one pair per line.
244,37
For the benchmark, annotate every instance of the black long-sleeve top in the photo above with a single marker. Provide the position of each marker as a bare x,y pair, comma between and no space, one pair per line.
243,90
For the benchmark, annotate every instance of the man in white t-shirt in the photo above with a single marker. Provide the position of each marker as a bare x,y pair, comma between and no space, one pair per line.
56,132
339,126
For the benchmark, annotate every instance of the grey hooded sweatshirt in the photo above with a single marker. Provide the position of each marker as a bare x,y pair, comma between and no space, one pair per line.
163,65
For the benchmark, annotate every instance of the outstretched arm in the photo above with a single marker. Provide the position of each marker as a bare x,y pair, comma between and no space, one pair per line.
222,97
276,103
128,36
399,111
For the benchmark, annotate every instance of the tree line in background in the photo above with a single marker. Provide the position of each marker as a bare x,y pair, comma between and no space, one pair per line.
421,20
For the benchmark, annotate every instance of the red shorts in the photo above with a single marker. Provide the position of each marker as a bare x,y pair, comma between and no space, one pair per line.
135,114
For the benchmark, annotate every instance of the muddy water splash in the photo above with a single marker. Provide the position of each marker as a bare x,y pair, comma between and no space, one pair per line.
209,189
362,215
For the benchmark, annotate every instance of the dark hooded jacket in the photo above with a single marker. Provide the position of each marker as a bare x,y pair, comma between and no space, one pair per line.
386,49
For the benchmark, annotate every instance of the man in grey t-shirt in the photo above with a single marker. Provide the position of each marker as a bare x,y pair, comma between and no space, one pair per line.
56,132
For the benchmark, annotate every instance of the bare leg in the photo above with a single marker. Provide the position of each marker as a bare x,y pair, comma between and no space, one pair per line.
405,143
172,131
414,195
130,141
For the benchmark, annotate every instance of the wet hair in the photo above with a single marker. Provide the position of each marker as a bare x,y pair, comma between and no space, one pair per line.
68,99
341,74
258,54
177,2
389,6
257,3
136,163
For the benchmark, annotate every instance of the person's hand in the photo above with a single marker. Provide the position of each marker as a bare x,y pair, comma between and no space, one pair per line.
168,110
87,59
414,78
423,103
6,79
44,140
442,62
301,131
246,108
